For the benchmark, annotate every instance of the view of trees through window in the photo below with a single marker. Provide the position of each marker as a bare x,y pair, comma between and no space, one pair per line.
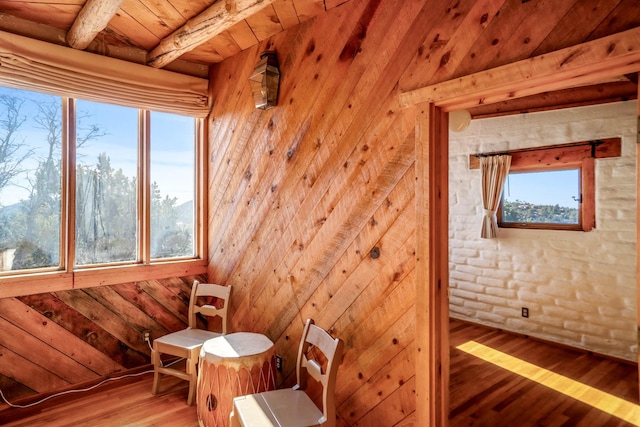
106,193
545,197
30,194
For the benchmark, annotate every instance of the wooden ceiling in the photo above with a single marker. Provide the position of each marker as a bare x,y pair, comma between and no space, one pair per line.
181,35
188,36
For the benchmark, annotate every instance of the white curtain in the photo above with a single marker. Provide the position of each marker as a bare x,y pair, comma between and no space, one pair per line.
494,172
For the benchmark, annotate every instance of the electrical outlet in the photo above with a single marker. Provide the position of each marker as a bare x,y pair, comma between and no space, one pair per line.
146,336
279,363
525,312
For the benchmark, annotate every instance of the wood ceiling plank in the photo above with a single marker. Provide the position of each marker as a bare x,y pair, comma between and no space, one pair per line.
204,54
530,33
286,12
307,9
190,8
159,17
583,15
223,45
23,27
56,15
605,57
265,23
242,35
506,20
624,17
132,32
200,28
449,41
165,11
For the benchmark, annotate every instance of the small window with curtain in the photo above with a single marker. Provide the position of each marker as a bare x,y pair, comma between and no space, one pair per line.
551,187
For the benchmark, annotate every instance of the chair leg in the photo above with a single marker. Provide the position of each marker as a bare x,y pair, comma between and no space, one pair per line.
155,359
192,370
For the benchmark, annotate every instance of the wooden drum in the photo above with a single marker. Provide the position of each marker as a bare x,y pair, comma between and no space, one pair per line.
232,365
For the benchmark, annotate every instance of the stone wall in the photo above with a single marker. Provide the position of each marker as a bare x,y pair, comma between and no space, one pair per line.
579,287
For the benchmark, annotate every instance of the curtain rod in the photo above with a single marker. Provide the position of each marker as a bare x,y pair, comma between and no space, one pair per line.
593,145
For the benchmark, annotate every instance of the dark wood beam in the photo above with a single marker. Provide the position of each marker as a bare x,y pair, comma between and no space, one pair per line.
566,98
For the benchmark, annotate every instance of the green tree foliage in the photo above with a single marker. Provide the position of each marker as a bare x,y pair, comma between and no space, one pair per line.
519,211
28,254
105,214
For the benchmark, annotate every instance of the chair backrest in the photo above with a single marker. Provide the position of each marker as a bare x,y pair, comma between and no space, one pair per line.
314,337
209,290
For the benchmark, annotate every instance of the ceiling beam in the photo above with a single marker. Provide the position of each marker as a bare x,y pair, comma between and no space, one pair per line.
93,18
606,57
601,93
217,18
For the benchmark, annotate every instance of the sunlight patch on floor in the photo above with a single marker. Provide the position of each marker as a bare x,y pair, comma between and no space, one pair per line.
605,402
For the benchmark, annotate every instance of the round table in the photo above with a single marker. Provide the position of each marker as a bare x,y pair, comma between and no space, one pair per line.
232,365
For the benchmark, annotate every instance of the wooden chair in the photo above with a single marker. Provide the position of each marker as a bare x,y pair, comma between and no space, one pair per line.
293,407
188,342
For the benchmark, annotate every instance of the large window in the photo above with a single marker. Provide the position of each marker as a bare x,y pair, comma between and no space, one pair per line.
86,184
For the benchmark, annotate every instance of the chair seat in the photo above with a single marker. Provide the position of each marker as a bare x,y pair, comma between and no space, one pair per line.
187,338
278,408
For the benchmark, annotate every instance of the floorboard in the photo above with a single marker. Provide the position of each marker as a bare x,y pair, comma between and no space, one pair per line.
481,393
125,402
551,386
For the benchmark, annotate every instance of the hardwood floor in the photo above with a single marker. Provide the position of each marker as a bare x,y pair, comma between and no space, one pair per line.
481,393
126,402
485,394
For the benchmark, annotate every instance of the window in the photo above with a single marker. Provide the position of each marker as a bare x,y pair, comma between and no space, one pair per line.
79,187
542,199
106,177
552,187
172,185
30,192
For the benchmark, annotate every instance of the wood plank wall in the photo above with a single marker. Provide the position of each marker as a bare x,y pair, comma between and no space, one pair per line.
311,204
53,341
312,208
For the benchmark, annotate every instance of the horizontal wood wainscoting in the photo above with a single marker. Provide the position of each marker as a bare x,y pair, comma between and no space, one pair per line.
51,341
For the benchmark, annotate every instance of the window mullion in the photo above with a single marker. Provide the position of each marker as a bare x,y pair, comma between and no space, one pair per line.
201,199
144,187
68,196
